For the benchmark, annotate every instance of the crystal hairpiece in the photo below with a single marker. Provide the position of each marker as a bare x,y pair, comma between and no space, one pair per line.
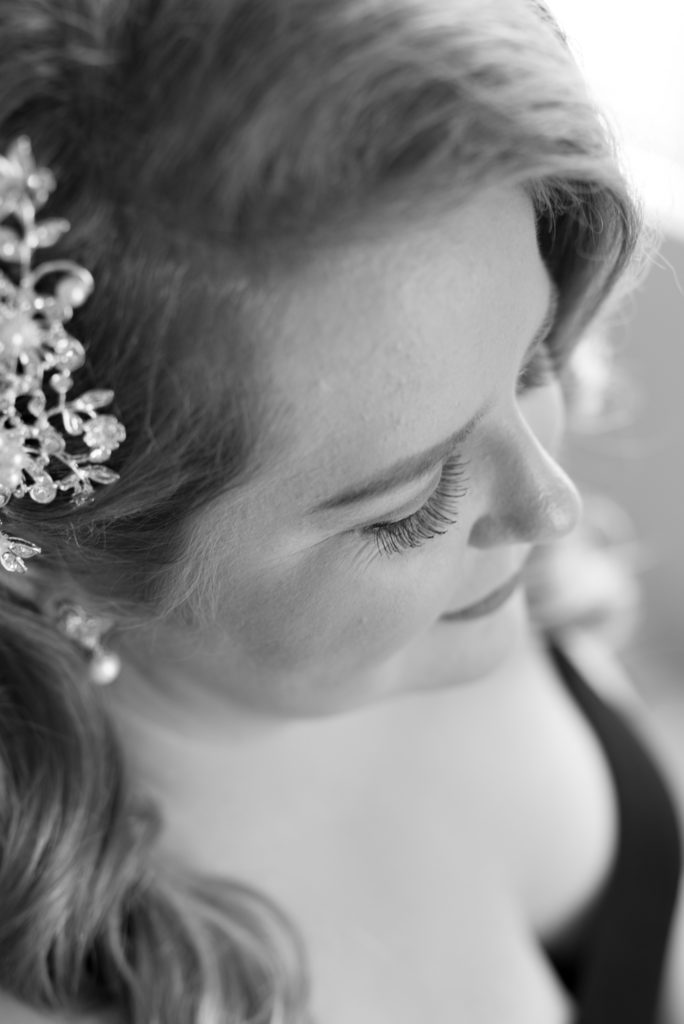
38,357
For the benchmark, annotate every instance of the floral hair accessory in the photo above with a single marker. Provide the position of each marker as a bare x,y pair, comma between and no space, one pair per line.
38,357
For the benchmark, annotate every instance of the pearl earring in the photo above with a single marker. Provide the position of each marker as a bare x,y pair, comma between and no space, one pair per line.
87,631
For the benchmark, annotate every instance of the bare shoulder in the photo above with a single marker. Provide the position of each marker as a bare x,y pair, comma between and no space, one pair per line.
13,1012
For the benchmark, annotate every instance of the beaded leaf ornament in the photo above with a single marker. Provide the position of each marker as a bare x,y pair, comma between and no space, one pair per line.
38,357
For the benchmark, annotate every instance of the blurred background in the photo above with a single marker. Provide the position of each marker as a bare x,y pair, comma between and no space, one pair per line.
631,54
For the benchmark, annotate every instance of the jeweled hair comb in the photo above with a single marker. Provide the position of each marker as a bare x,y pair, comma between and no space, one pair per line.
38,357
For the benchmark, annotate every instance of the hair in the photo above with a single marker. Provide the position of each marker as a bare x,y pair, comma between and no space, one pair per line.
201,148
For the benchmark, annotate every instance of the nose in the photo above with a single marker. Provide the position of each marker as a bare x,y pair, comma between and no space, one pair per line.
530,498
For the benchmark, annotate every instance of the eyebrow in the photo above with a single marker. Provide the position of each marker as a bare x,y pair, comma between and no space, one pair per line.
413,467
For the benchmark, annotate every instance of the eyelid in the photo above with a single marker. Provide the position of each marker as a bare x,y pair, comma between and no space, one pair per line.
413,505
433,519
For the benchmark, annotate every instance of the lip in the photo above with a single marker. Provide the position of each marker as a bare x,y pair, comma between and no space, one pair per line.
487,605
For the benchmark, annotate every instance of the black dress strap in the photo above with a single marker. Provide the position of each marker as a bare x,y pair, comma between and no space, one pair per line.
617,965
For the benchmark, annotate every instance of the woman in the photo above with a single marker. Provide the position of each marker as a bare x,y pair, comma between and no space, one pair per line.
343,254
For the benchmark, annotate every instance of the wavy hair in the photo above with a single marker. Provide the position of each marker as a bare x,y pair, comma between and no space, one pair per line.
199,147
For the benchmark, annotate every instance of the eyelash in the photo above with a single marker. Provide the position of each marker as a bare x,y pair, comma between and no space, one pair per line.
542,369
434,518
440,511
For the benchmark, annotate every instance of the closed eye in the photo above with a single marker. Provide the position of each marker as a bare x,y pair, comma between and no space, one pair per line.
433,519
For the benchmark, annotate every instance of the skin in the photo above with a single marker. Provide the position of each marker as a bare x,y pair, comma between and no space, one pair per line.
300,747
376,352
377,823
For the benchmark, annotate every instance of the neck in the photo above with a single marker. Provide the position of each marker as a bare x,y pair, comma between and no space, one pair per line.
188,701
231,782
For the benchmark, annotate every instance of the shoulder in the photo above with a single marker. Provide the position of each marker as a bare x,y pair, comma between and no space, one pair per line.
13,1012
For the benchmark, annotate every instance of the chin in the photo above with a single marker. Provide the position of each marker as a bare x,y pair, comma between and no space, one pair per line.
472,651
499,638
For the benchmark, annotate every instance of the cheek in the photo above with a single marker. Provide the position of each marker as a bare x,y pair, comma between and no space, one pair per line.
327,609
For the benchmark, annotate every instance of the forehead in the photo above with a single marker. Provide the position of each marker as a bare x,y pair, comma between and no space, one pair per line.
386,347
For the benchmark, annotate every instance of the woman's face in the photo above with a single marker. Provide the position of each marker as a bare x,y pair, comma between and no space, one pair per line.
409,470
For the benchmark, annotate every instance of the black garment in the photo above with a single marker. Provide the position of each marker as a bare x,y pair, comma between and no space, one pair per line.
613,966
